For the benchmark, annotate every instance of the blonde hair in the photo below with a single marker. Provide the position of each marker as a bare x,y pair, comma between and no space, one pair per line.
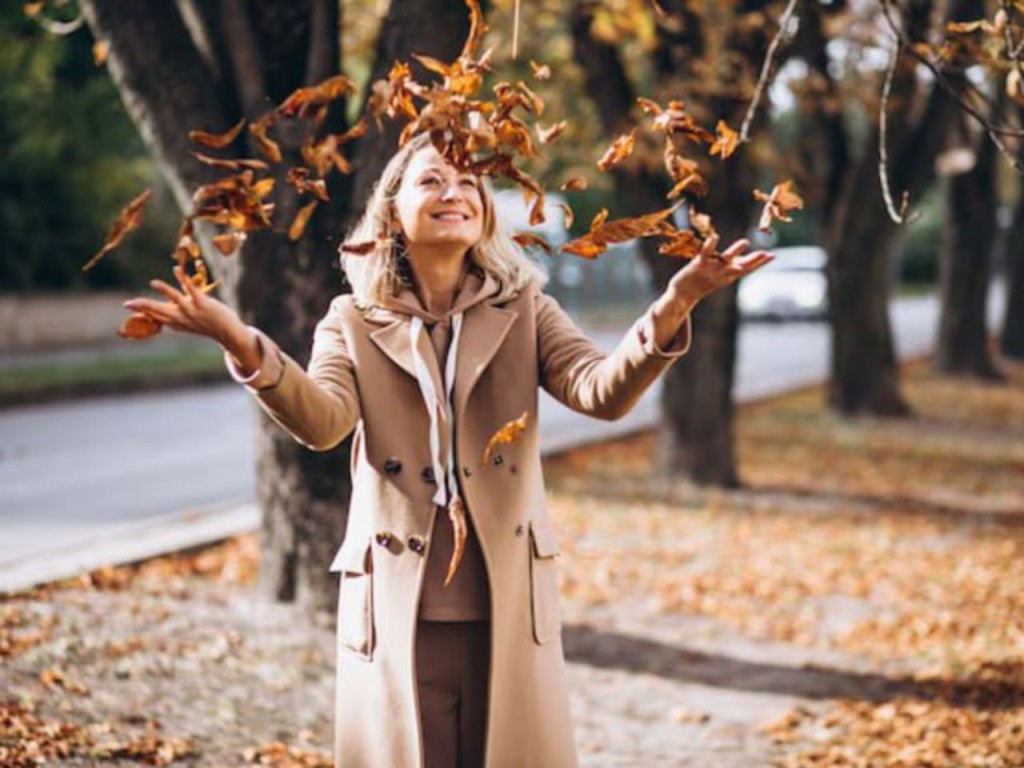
375,275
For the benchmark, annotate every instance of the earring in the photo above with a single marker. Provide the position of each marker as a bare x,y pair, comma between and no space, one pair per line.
402,266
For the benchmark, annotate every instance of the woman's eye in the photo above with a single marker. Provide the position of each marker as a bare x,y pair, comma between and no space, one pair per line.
431,180
469,183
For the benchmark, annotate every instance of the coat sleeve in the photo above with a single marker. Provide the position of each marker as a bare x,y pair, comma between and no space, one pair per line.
318,407
578,374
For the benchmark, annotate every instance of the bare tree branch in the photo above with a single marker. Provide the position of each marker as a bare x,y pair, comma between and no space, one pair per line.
766,68
994,131
900,216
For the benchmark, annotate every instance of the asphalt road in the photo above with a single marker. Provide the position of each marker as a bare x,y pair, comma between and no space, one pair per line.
70,471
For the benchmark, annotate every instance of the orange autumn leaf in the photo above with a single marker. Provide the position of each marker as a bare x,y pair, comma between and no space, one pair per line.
299,178
358,249
507,435
303,102
229,242
267,145
457,515
701,223
240,164
139,326
540,71
549,134
620,149
694,180
575,184
603,233
778,204
726,141
216,140
684,244
301,220
532,240
100,51
129,219
567,212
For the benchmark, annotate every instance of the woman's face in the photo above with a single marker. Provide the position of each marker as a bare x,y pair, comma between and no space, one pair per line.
437,205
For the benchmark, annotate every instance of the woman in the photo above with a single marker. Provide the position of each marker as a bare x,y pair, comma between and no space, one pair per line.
445,338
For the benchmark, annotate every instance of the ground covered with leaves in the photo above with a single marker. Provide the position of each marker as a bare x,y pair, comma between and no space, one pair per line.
857,604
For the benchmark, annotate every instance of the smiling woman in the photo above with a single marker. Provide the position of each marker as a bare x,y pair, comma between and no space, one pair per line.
449,649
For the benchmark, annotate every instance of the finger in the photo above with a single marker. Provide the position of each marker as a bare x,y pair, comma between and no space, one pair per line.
752,261
736,249
169,291
186,283
164,313
707,249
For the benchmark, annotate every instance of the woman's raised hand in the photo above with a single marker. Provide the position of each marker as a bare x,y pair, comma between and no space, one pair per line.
190,310
710,270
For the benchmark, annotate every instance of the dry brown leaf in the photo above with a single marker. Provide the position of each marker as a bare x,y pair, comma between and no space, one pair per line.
216,140
129,219
619,150
100,51
531,240
567,212
305,102
267,145
241,164
358,249
778,204
301,220
507,435
684,244
726,141
575,184
460,529
602,232
540,71
549,134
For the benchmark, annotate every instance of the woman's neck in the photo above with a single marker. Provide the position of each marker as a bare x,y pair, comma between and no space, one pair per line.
438,276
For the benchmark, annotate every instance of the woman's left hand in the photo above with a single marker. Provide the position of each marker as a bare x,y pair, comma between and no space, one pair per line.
709,270
706,273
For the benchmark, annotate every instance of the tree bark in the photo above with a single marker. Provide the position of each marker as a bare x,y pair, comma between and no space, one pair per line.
1012,336
966,267
696,433
262,52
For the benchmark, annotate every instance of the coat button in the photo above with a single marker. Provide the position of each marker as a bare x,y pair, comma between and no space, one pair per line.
427,476
520,530
392,466
467,472
417,545
384,538
498,460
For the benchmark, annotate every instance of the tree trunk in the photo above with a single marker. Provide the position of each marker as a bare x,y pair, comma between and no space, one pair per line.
1012,337
697,405
966,267
203,69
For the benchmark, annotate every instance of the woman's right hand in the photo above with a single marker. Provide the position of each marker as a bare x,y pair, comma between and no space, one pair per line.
190,310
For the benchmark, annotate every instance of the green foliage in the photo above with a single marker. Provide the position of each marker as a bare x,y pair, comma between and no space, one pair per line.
70,159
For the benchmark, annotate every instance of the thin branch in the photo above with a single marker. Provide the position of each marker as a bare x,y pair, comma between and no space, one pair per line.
55,27
900,216
993,131
766,68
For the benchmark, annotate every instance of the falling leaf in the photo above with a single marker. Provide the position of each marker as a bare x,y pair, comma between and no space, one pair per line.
299,178
100,50
229,242
358,249
33,9
602,232
216,140
129,219
457,515
778,204
694,180
533,240
620,149
575,184
701,223
231,165
726,142
303,101
567,212
540,71
507,435
547,135
139,326
684,244
267,145
301,219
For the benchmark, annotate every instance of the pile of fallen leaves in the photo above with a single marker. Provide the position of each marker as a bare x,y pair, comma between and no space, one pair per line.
28,740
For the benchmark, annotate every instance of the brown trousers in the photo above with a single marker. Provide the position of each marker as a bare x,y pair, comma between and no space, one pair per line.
453,662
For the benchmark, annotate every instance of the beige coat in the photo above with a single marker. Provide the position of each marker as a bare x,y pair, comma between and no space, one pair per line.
361,376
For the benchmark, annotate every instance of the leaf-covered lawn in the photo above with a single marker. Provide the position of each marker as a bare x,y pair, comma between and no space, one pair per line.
857,603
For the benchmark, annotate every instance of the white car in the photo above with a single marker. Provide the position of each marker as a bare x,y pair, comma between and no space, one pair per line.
793,287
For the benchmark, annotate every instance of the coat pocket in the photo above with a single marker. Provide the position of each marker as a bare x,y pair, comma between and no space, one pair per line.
355,597
544,581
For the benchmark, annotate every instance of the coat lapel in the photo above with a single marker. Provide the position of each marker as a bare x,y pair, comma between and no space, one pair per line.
483,331
393,340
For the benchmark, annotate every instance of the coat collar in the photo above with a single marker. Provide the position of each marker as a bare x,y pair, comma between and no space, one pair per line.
484,329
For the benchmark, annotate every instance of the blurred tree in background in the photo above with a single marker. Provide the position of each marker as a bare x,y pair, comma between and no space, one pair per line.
70,158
